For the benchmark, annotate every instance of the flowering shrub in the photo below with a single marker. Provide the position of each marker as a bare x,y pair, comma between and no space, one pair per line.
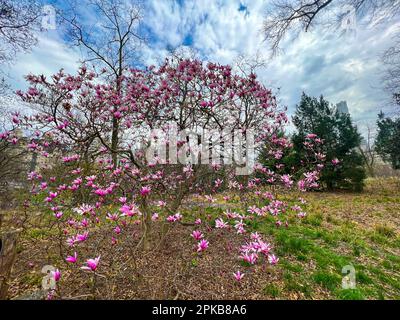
107,186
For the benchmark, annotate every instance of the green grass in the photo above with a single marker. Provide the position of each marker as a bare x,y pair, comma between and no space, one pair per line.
272,291
340,229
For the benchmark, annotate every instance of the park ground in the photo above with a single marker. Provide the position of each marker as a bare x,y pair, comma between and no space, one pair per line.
340,229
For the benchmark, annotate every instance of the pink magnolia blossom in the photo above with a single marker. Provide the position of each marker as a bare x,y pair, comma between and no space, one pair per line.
82,237
101,192
220,224
301,214
255,236
197,235
171,218
56,275
272,259
161,203
145,191
202,245
249,257
238,275
117,230
58,214
73,258
91,264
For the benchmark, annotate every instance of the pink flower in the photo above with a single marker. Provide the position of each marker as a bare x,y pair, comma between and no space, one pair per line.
311,136
82,237
197,235
301,214
33,146
220,224
250,257
58,214
161,203
117,230
127,210
255,236
218,183
171,218
286,179
101,192
239,226
238,275
91,264
113,216
85,223
198,221
296,208
272,259
335,161
154,217
145,191
53,195
114,241
202,245
56,275
71,241
72,259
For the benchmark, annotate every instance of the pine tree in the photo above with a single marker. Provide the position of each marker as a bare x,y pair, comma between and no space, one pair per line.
341,138
388,140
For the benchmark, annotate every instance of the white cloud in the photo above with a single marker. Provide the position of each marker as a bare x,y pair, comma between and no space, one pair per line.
50,55
319,62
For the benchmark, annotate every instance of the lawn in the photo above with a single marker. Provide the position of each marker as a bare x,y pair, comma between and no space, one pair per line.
340,229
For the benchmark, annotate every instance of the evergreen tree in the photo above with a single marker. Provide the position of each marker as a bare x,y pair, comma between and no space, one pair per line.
388,140
341,138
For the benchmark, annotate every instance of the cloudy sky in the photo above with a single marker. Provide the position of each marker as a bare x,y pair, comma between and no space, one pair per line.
323,61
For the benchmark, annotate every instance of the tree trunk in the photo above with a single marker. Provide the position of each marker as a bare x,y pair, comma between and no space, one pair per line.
146,226
8,252
114,141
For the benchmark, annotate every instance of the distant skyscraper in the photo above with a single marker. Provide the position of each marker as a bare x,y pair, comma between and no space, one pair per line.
342,107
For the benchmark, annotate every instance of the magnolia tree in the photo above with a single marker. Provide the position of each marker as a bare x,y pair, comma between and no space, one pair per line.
186,130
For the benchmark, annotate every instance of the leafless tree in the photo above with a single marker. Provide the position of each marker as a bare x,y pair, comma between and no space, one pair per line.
367,150
13,160
250,64
18,22
283,16
391,79
110,40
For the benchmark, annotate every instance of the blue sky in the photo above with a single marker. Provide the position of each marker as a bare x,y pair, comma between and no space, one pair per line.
341,67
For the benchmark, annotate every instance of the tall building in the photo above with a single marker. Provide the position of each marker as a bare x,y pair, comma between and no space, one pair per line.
342,107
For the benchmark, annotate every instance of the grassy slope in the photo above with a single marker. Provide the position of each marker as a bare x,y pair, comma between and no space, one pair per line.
361,229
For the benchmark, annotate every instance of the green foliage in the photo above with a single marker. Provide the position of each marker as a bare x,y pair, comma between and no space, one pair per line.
341,138
271,290
351,294
388,140
327,280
